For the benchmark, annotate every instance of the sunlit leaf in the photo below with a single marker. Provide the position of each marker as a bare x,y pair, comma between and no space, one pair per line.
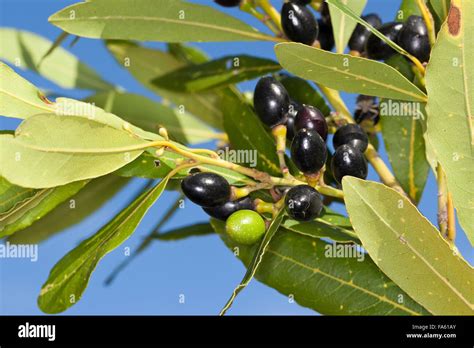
342,25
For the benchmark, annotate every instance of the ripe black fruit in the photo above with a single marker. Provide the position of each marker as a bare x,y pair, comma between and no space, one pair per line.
361,34
353,135
310,117
223,211
206,189
228,3
414,38
308,151
325,35
303,203
271,101
366,109
378,49
348,161
299,23
290,121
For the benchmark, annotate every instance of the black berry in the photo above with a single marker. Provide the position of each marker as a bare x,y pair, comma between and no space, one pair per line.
413,37
378,49
290,121
228,3
361,34
325,14
303,203
206,189
325,35
271,101
308,151
348,161
353,135
299,23
223,211
310,117
366,109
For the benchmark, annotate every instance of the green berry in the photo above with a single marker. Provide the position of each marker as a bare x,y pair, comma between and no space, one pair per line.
245,227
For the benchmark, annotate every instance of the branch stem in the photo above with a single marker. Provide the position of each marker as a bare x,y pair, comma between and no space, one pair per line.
429,21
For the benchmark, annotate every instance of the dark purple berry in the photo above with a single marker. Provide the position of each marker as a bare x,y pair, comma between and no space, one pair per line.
353,135
310,117
366,109
298,23
206,189
301,2
271,101
223,211
348,161
361,34
303,203
228,3
414,38
325,14
308,151
325,35
378,49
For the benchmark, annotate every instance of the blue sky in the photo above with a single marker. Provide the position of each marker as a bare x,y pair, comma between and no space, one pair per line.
201,268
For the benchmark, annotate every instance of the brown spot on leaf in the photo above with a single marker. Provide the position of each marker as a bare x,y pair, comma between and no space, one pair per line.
454,20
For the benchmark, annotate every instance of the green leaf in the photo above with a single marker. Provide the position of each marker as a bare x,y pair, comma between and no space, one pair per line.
302,267
408,248
247,134
176,234
450,129
346,73
49,150
402,128
329,225
217,73
72,211
150,116
18,97
20,207
153,20
256,258
302,92
407,8
187,54
343,25
440,8
25,50
147,64
70,276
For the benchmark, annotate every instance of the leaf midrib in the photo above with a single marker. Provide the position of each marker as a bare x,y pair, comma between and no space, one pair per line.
362,77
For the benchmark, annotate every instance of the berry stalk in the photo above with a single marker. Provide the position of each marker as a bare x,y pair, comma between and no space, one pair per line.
429,22
271,12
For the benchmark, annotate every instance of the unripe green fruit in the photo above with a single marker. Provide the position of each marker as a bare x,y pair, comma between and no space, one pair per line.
245,227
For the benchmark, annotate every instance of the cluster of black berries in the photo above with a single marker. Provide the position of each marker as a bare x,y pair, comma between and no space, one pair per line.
300,25
411,35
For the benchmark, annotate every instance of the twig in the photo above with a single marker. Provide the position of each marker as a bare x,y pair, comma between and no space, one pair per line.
429,21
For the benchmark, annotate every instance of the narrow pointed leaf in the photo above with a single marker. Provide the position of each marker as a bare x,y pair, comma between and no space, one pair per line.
308,270
450,125
69,277
342,25
217,73
153,20
346,73
72,211
440,8
409,249
20,207
25,50
256,259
